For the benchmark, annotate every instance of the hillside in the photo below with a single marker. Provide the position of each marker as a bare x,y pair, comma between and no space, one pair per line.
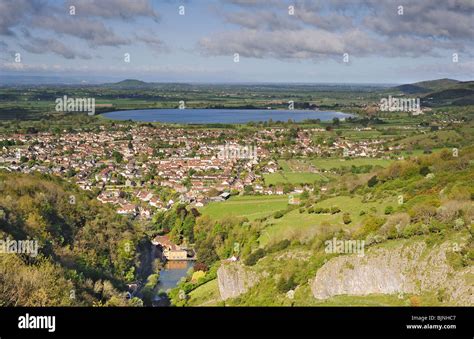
86,252
418,249
412,89
440,92
437,85
427,86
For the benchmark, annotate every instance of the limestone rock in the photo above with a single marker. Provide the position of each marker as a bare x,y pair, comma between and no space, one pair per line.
399,269
235,279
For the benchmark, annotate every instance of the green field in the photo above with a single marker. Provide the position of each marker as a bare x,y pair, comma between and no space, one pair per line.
358,135
327,164
252,207
293,178
302,171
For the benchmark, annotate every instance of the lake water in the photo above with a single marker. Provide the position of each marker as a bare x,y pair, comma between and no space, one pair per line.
222,116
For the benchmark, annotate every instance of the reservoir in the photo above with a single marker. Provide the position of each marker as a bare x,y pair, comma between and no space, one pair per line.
222,116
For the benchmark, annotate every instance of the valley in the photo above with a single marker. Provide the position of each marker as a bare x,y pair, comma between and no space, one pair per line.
397,184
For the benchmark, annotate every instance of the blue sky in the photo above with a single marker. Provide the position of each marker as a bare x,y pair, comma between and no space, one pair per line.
385,43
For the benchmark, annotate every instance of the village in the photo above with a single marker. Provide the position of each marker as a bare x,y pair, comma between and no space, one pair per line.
144,169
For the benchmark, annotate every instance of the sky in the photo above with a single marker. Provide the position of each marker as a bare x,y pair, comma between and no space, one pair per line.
299,41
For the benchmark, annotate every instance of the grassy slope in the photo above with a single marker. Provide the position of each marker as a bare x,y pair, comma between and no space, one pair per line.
302,261
205,295
252,207
295,225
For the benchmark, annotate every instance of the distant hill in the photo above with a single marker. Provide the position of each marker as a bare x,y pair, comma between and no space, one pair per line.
437,85
129,83
412,89
427,86
440,92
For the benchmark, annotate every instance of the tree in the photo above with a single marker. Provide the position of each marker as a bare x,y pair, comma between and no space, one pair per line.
372,181
118,157
254,257
205,252
188,227
248,189
284,285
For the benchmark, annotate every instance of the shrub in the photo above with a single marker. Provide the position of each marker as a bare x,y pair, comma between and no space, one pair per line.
372,181
278,214
455,260
470,255
436,226
394,225
335,210
199,266
458,224
411,230
441,295
281,245
346,218
388,210
432,239
422,212
284,285
392,232
424,170
371,224
197,275
254,257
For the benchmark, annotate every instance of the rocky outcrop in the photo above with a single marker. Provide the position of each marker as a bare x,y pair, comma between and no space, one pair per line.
234,279
399,269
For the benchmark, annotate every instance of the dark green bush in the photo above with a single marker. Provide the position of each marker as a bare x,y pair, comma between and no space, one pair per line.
346,218
278,214
254,257
281,245
388,210
284,285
